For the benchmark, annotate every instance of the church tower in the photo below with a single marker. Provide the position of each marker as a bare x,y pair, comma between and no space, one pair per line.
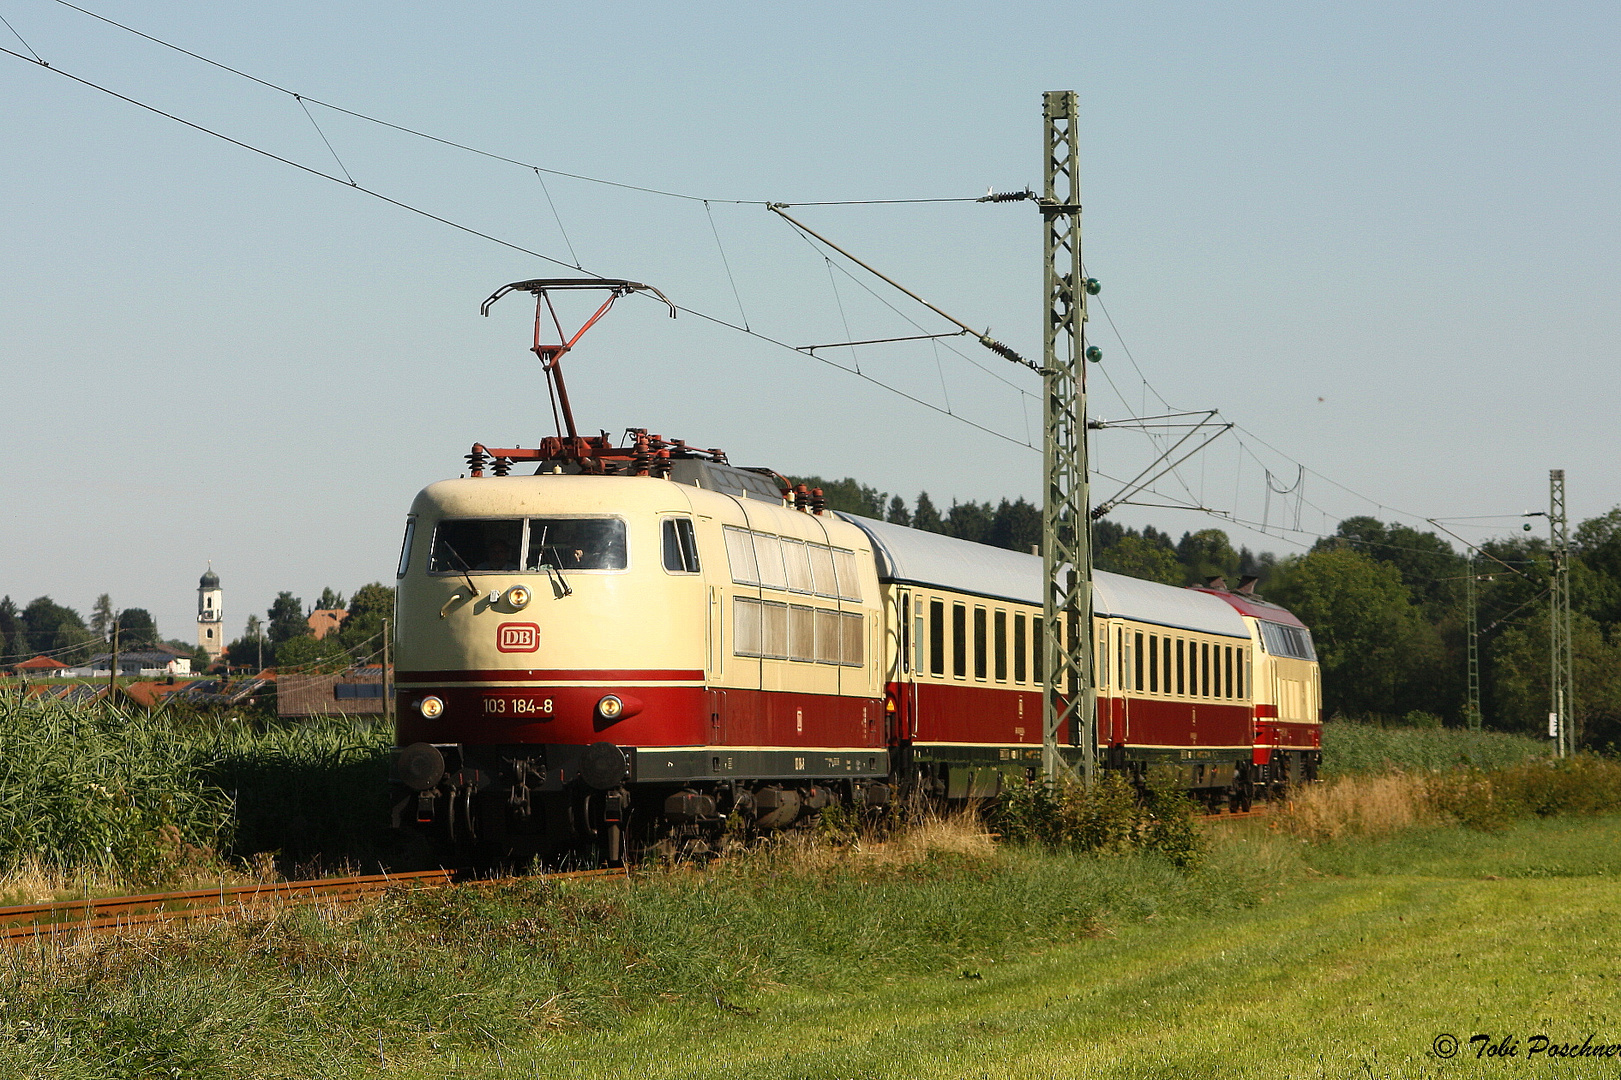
210,615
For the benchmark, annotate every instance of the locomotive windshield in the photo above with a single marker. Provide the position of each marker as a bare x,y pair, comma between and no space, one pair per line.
576,544
479,544
1280,640
501,545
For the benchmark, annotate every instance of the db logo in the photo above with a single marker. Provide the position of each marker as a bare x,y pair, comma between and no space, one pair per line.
517,637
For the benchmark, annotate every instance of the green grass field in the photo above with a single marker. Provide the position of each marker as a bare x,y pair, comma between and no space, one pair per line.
1275,960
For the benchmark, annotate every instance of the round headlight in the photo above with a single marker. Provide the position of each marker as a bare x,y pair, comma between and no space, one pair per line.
431,707
610,707
519,595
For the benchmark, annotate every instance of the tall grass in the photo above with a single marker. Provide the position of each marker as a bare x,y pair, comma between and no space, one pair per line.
1351,748
1490,800
113,792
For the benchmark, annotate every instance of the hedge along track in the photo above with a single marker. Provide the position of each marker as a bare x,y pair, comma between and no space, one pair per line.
114,913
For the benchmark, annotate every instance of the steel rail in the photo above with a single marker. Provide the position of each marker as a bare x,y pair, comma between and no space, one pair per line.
126,912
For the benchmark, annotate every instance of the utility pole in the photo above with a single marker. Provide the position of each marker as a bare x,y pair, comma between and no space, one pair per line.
388,697
112,667
1562,675
1066,522
1472,710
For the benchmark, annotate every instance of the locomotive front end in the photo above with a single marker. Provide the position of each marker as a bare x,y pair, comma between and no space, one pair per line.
536,651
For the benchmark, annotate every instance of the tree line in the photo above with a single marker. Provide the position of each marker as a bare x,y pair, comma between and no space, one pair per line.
1386,603
45,628
284,638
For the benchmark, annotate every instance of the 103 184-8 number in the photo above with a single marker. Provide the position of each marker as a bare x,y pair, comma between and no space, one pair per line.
516,705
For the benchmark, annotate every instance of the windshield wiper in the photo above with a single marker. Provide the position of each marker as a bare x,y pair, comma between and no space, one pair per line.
552,568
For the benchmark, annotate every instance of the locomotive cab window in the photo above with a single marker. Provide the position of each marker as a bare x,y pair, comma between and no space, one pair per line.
476,544
405,546
576,544
680,546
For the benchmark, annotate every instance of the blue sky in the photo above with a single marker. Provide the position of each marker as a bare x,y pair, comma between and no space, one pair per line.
1380,237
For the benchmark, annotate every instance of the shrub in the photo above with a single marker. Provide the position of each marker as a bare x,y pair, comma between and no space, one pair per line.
1111,817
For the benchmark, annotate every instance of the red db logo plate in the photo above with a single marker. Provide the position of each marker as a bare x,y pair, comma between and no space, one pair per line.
517,637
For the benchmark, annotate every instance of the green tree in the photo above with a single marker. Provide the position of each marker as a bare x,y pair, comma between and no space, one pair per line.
306,653
969,521
1520,697
1017,526
245,652
331,600
926,517
1371,640
287,618
371,605
1206,554
101,617
11,638
48,627
136,628
1135,557
898,513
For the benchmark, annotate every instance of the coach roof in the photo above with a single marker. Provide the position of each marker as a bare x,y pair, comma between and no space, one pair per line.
930,559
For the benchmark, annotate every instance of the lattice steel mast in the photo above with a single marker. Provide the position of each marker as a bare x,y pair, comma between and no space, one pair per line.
1472,709
1562,675
1066,523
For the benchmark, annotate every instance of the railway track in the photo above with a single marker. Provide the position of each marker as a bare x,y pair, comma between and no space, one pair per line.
115,913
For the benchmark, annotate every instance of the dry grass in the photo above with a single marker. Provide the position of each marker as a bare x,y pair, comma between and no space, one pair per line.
1360,805
33,882
862,847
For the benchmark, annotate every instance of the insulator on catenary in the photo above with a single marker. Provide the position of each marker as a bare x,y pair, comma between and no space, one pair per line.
1004,351
1007,196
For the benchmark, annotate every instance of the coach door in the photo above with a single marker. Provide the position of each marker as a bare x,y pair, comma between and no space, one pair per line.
902,723
715,705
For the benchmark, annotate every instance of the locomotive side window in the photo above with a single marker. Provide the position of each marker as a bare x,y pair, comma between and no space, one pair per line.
768,553
829,637
740,554
746,639
576,544
798,565
854,631
959,641
774,630
849,579
979,643
680,546
476,544
1019,645
1001,646
405,546
801,633
1291,641
821,559
937,637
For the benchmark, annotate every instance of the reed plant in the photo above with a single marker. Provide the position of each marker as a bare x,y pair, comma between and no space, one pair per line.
1353,747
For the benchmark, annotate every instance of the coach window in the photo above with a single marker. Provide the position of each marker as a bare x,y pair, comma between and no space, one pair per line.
959,641
1019,643
478,544
1038,652
1181,683
1201,685
1100,662
905,644
1239,666
918,626
979,643
1153,662
937,637
999,643
680,546
1228,681
1137,661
